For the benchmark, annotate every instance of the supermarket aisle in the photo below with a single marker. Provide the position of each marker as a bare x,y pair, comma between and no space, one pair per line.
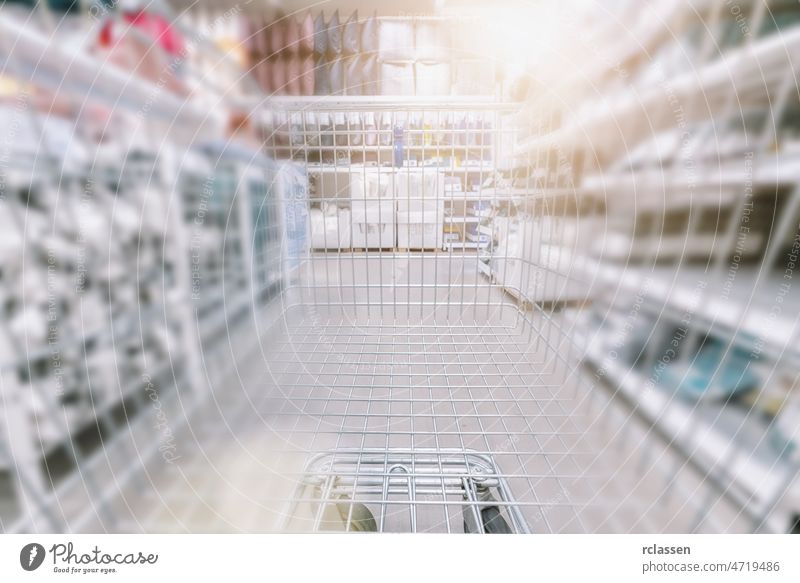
322,382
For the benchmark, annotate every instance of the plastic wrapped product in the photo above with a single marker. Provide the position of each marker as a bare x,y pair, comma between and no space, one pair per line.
386,129
307,75
396,40
325,130
320,34
335,35
370,129
369,36
370,78
311,128
295,203
306,35
432,41
432,78
322,83
266,38
291,35
397,79
277,73
353,74
260,38
340,128
276,36
351,36
293,74
473,78
399,146
356,128
250,31
330,228
336,75
263,75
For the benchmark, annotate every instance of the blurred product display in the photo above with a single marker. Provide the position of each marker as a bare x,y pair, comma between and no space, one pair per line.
508,268
364,56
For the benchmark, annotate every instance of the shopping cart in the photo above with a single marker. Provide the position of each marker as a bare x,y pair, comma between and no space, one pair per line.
393,490
422,374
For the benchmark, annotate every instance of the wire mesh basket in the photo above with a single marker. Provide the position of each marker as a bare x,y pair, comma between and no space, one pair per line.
413,491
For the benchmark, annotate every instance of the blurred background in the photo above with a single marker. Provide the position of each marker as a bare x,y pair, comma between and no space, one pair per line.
540,258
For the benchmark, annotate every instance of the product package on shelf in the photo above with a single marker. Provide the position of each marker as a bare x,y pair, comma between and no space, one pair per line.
420,190
291,38
431,41
396,40
473,77
369,36
335,35
351,35
294,181
419,230
306,34
397,78
330,227
432,78
373,223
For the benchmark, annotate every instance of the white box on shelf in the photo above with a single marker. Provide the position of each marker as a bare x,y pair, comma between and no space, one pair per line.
420,230
373,235
432,40
396,40
376,211
370,183
432,78
330,230
373,223
420,191
397,79
474,78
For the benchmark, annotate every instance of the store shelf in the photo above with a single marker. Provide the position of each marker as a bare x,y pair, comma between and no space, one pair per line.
69,70
729,442
766,171
463,245
754,306
360,103
751,67
480,240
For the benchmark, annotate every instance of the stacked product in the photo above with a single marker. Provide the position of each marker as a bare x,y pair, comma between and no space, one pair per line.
387,56
420,208
373,209
282,54
330,227
85,284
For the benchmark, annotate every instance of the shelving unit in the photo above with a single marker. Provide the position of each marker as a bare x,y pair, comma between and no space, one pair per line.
696,213
726,441
147,253
461,140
